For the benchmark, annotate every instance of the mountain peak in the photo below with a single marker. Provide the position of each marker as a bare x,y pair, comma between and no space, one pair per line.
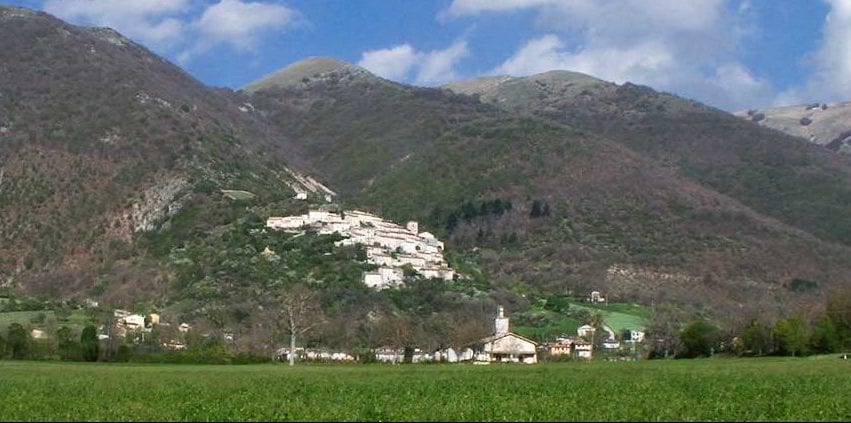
304,70
515,93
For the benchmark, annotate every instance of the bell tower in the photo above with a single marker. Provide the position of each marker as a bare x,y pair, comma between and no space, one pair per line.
500,324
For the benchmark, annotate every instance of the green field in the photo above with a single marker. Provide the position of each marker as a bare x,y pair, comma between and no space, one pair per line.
712,389
75,320
619,316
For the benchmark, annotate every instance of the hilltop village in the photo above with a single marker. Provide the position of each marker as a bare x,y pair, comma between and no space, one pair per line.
388,245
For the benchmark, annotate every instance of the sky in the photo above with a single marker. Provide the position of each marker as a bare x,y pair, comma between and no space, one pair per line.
731,54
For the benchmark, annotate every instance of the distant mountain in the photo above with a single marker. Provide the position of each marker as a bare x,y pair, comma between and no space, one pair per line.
828,125
775,174
590,206
122,178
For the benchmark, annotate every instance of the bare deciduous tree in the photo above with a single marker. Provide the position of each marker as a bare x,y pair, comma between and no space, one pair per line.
300,312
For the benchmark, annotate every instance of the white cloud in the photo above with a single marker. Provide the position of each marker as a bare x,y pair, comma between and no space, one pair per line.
830,78
686,47
475,7
149,21
240,24
613,64
169,26
392,63
438,65
399,62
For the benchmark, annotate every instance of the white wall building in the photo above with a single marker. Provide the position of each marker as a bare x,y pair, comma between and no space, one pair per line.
388,245
506,347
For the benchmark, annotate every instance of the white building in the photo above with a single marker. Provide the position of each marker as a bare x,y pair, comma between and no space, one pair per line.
636,336
383,277
506,347
583,349
388,245
585,331
389,355
134,322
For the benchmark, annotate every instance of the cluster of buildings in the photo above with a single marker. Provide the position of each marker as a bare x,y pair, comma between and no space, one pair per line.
314,355
581,347
388,245
503,346
127,322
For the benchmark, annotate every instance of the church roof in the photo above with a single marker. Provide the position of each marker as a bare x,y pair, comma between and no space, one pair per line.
498,337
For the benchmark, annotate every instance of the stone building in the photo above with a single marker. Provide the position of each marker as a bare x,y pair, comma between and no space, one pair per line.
504,346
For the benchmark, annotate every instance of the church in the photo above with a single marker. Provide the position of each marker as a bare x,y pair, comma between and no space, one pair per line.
504,346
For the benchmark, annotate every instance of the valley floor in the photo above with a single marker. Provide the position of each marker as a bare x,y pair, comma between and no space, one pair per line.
804,389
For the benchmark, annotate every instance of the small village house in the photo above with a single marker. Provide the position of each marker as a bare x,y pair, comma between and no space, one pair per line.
582,349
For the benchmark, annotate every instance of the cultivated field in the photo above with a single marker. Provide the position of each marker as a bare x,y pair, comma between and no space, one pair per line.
716,389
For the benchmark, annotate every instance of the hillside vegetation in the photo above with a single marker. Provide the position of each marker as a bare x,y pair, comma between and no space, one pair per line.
125,180
447,160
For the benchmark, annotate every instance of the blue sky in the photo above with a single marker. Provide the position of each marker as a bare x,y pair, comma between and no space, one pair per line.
732,54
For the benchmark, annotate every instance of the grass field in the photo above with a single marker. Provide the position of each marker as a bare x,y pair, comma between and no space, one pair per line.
715,389
76,320
619,316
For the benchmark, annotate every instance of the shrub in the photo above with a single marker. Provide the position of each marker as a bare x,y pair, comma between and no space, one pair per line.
89,343
698,339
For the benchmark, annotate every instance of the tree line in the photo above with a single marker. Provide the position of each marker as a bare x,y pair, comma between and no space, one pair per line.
793,335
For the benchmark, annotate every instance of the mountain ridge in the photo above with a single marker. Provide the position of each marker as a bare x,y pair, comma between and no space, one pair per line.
116,164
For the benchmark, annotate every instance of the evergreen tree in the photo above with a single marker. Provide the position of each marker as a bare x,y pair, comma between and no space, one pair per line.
66,347
537,209
89,343
18,341
451,222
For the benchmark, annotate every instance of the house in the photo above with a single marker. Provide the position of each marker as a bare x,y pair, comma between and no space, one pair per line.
134,322
467,354
389,355
154,318
596,297
504,346
582,349
301,196
184,327
611,344
636,335
383,277
38,334
449,355
174,345
560,348
585,331
413,227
